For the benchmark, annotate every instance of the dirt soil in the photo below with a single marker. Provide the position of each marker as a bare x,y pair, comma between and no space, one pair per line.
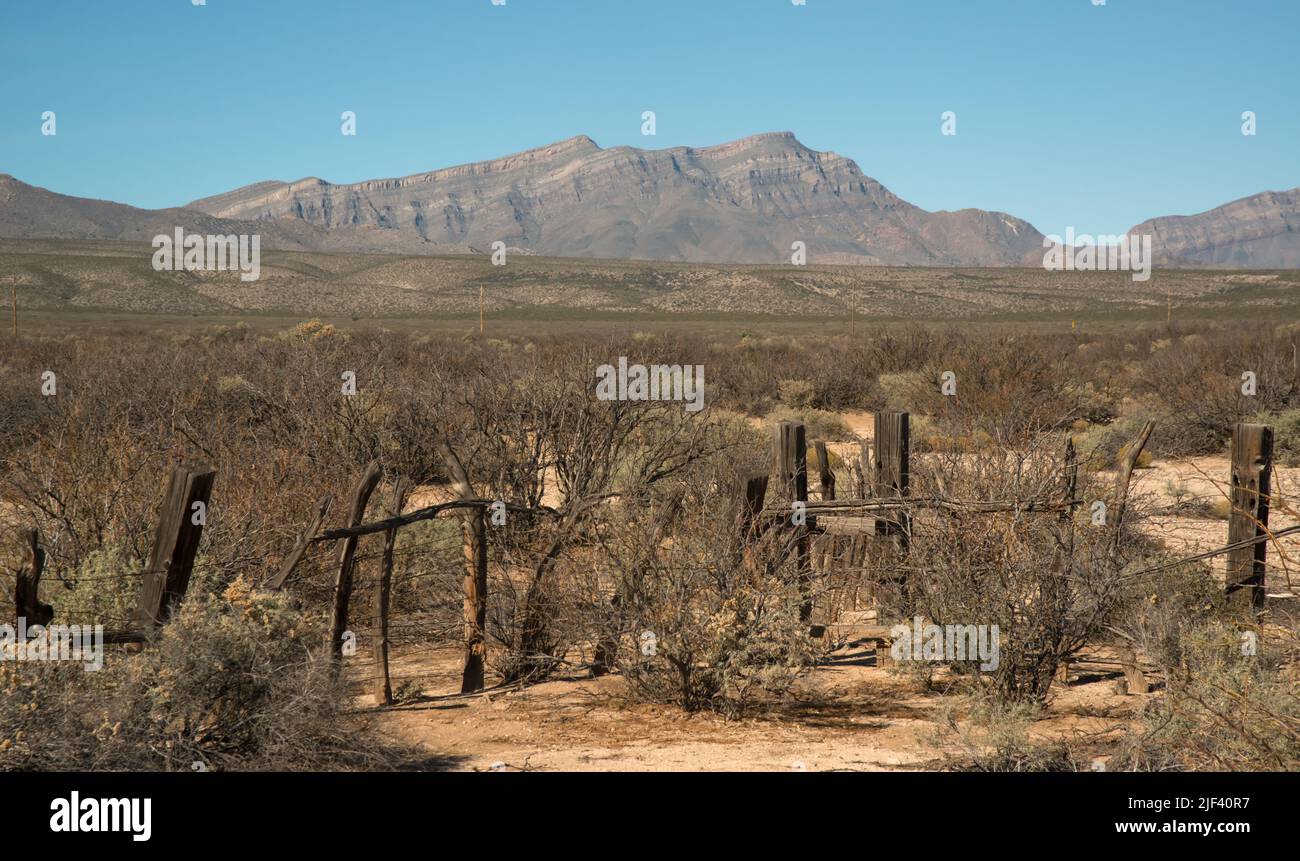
879,721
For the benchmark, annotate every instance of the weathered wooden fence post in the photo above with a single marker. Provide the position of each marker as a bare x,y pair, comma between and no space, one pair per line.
891,476
891,466
791,467
753,491
474,534
1252,466
383,681
347,553
176,543
27,584
825,475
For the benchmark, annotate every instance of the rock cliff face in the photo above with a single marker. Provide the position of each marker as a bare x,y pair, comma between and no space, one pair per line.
745,201
1257,232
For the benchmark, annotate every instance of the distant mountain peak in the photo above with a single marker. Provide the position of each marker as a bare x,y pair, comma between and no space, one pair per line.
743,201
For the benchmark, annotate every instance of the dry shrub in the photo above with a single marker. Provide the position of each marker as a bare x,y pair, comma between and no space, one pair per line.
1048,584
726,630
1224,708
233,682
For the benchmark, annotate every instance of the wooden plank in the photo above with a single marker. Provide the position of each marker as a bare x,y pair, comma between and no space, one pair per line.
383,595
300,546
1252,467
176,543
347,553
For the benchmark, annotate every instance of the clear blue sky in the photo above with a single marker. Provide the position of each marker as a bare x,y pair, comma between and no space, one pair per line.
1068,113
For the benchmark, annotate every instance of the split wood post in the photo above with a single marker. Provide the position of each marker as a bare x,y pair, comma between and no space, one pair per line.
301,544
176,543
473,526
891,468
347,554
791,467
891,473
27,584
1252,466
384,682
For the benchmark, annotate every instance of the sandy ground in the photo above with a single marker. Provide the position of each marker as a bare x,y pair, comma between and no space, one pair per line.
878,721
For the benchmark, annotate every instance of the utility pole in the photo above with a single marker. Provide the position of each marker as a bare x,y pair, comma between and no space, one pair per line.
13,294
480,310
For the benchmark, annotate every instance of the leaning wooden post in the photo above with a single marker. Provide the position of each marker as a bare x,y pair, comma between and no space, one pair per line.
27,604
347,553
300,545
176,543
1252,466
474,533
383,681
791,467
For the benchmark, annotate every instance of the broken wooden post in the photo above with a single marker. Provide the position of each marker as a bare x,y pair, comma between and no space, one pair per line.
474,535
1135,681
825,475
1252,465
301,544
347,553
180,526
27,604
383,681
1123,479
791,467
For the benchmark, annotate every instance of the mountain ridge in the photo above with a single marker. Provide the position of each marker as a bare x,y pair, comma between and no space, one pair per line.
742,201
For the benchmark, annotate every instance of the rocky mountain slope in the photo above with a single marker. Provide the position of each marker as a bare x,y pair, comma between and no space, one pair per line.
745,201
1257,232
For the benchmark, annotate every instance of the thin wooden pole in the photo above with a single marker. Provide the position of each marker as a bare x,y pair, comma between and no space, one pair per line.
480,310
347,553
383,595
474,534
